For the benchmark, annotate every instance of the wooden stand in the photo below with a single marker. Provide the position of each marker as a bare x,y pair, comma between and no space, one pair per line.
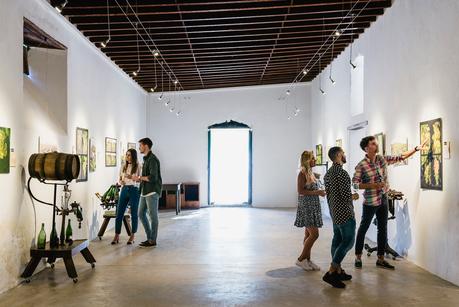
66,252
108,215
175,198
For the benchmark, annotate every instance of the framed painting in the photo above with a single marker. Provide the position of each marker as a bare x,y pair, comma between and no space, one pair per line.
5,150
339,143
381,138
92,156
432,155
132,145
110,152
82,150
319,154
396,149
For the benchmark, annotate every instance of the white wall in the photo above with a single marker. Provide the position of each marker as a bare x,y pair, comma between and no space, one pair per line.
411,75
181,142
100,97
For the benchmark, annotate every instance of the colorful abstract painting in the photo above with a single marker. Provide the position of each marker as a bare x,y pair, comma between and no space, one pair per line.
5,139
339,143
432,155
132,145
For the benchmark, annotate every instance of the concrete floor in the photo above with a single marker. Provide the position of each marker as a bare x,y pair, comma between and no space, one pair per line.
226,256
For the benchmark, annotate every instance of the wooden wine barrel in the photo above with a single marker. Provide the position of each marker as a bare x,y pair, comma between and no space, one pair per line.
54,166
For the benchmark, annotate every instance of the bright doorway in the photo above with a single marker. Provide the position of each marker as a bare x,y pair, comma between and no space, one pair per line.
230,161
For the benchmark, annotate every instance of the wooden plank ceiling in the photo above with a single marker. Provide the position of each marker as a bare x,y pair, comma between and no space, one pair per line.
211,44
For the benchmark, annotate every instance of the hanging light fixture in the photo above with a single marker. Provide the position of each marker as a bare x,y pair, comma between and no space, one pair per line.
105,42
287,92
136,72
320,76
305,71
331,64
155,53
351,43
59,5
162,84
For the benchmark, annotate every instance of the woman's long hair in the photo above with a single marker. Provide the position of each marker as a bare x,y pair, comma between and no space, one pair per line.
134,161
305,165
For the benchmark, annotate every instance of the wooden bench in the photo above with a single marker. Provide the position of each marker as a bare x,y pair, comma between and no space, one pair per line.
108,215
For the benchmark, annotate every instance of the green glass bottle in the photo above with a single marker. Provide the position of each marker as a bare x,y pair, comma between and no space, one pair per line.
68,233
41,241
53,239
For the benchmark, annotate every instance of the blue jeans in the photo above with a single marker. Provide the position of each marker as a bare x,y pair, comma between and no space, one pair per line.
129,195
343,240
149,204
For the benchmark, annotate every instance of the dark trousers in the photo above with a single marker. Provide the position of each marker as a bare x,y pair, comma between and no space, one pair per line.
129,195
368,213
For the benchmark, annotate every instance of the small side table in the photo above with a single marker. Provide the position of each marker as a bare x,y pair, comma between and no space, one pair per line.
108,215
66,252
174,187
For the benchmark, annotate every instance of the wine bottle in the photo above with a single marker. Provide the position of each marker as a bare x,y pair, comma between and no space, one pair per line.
68,234
53,239
41,241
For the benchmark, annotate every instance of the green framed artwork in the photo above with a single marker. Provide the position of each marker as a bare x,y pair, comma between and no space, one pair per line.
319,154
5,147
82,150
92,156
432,154
381,138
110,152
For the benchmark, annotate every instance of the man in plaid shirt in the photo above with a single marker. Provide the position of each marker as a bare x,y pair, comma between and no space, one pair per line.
371,175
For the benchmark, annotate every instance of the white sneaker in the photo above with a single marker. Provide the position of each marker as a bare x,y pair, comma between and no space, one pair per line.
314,266
304,265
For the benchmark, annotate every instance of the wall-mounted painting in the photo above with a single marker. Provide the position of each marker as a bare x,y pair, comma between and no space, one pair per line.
82,150
397,149
132,145
381,138
319,154
110,152
5,143
432,155
92,156
339,143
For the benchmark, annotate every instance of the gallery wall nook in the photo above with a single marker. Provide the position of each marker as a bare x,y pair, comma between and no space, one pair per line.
212,44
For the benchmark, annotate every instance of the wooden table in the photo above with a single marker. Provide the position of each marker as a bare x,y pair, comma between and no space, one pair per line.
174,187
66,252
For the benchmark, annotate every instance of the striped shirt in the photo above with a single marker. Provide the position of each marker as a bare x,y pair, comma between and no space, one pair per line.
368,172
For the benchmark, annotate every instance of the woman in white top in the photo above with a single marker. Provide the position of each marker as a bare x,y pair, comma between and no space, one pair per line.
130,194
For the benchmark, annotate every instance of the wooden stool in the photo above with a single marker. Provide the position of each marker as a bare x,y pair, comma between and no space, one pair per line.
66,252
108,215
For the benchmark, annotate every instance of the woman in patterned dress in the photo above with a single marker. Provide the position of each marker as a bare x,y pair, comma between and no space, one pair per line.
308,214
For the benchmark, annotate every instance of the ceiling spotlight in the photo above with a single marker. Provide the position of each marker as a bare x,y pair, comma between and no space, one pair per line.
322,91
289,118
179,113
167,102
155,53
337,33
305,71
59,5
172,109
136,72
105,43
176,81
332,81
353,65
287,92
153,88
